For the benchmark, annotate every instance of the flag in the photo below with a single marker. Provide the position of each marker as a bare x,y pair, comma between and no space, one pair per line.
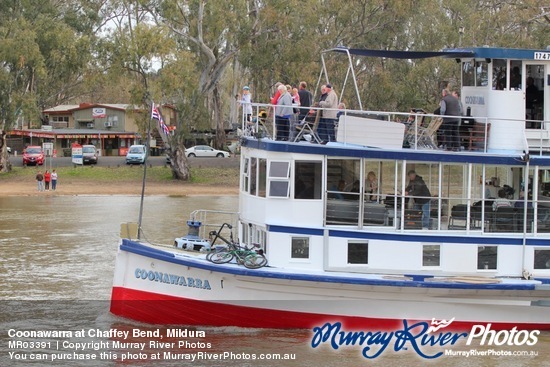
164,127
155,114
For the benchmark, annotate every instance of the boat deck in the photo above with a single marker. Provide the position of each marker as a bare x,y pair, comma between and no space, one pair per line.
198,260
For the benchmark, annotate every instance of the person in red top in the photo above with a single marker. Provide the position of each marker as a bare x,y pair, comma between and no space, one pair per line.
277,94
47,179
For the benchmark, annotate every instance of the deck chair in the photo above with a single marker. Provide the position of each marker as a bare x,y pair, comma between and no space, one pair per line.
411,130
308,127
458,213
427,136
258,127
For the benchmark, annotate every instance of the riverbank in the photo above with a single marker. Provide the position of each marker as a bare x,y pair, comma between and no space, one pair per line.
124,180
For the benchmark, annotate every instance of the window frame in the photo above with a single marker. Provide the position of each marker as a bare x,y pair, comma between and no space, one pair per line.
292,251
274,180
357,242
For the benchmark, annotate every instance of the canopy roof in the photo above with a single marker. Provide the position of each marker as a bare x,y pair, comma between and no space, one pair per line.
393,54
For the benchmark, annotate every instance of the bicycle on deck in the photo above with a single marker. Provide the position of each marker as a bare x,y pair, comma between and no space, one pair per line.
251,258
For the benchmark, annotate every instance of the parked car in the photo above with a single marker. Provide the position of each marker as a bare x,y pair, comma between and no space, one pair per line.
89,154
205,151
136,154
33,154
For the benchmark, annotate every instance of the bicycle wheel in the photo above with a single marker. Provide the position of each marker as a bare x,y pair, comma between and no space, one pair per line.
209,255
255,261
221,257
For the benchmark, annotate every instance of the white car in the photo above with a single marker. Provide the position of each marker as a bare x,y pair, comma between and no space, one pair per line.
136,154
205,151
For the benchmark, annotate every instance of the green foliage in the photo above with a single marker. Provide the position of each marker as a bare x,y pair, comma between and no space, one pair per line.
44,48
194,54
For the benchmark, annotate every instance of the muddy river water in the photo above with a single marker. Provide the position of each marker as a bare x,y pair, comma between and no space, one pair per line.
56,269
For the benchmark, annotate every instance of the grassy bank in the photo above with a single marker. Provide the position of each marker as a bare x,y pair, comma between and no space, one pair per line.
199,175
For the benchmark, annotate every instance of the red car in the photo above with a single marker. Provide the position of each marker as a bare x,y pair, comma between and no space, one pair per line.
33,155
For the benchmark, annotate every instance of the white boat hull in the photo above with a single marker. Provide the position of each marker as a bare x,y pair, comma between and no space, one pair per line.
160,287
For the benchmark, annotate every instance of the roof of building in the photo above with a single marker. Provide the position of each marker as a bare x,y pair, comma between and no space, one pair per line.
60,133
70,108
84,106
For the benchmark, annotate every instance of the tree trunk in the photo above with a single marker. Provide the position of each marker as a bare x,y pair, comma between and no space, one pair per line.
5,165
219,142
179,162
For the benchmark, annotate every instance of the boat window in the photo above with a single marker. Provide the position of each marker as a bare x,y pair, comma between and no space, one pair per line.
374,174
253,175
454,198
262,176
390,189
499,74
542,259
468,76
245,234
358,252
300,248
482,77
279,179
279,169
515,75
245,175
431,255
343,191
307,180
421,183
487,257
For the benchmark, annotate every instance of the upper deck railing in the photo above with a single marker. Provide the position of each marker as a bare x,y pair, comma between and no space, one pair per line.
414,130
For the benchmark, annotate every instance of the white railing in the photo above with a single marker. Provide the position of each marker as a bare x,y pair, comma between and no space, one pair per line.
422,131
212,220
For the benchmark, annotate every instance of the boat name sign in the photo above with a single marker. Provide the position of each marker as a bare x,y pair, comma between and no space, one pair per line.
418,336
475,100
156,276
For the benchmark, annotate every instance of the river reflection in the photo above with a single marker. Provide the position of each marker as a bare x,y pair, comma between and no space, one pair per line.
56,271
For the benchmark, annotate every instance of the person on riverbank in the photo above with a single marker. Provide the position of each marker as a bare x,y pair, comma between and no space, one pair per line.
40,181
47,179
54,180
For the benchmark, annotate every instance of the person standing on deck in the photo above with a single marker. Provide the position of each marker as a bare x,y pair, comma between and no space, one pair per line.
305,98
418,190
277,94
294,119
283,112
246,101
449,106
326,124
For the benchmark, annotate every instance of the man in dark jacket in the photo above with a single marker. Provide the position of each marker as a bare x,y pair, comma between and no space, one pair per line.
450,106
305,100
418,190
